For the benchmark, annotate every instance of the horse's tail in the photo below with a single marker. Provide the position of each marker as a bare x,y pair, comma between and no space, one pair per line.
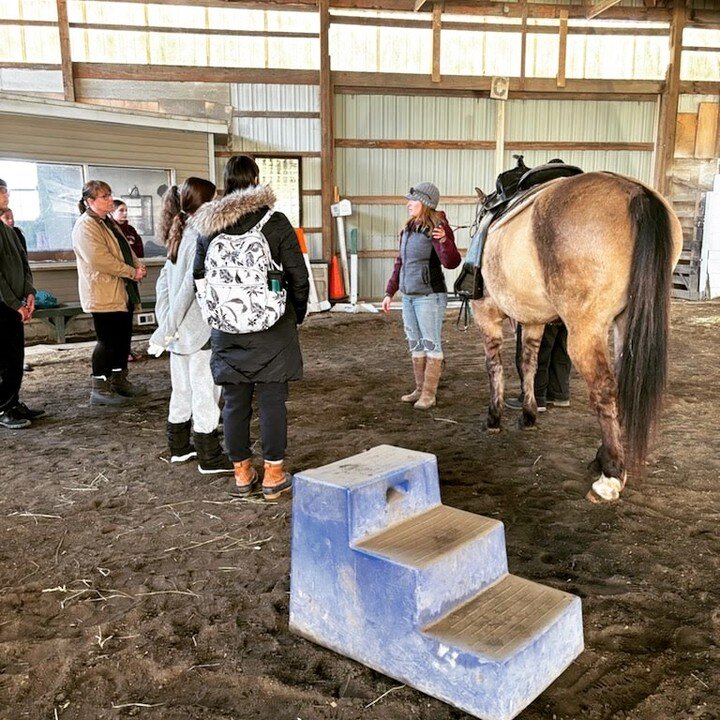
643,364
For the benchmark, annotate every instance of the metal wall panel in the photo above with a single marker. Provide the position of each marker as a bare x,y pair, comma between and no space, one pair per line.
303,98
277,134
414,117
580,120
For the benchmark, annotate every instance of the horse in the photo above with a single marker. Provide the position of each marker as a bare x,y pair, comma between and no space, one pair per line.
594,251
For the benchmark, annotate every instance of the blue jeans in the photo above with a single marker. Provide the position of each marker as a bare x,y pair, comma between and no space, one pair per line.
423,318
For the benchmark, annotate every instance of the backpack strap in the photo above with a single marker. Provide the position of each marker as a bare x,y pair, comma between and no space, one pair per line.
264,219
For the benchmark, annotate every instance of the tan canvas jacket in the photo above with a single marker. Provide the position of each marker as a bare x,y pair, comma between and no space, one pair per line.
100,267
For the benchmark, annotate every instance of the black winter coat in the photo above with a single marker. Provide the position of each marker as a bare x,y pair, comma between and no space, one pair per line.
271,355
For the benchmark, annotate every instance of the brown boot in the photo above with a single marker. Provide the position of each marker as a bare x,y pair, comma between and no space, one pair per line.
433,370
245,478
419,370
275,481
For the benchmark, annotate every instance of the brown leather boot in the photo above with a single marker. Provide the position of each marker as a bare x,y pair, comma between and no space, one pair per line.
433,370
275,481
419,370
245,478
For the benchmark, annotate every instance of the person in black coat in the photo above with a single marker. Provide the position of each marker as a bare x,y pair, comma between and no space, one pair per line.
261,362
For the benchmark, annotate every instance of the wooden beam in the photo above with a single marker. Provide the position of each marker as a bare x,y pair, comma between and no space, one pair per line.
327,159
172,29
400,199
699,87
282,114
667,126
268,153
396,144
523,43
562,49
391,82
187,73
65,52
600,7
436,28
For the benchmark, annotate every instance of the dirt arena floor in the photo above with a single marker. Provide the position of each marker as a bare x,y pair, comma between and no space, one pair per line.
130,588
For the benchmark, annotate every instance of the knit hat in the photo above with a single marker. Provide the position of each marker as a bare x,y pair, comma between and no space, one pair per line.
426,193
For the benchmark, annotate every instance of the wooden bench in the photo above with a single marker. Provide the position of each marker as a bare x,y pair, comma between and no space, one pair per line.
59,317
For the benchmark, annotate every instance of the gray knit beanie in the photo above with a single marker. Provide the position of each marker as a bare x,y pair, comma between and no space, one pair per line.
426,193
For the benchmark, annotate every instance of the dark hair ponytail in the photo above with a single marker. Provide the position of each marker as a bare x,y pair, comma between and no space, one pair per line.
177,206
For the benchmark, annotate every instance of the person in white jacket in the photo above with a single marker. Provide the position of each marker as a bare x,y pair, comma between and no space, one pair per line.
185,334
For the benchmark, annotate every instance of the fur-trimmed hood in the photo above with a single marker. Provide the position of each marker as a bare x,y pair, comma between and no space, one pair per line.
215,216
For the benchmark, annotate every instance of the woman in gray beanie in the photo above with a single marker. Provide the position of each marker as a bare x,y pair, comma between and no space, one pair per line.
427,245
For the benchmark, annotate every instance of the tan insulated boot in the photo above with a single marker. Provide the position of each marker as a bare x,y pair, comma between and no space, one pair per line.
245,478
433,370
419,370
103,393
275,481
122,385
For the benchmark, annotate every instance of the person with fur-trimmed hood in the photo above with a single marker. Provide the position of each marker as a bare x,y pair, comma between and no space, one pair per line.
261,362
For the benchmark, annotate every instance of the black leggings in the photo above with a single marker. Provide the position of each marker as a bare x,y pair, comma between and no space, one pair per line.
237,413
12,356
114,333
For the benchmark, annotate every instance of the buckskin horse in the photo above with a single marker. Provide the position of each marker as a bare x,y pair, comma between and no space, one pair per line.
595,250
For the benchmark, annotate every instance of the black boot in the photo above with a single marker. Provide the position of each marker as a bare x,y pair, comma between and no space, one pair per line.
103,393
181,449
211,458
122,386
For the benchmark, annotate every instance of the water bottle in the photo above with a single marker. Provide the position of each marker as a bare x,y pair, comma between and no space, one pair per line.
274,281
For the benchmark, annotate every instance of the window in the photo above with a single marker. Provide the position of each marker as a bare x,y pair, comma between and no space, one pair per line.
44,198
282,174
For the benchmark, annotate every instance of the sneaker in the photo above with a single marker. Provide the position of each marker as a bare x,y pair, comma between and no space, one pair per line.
559,403
23,411
11,421
517,404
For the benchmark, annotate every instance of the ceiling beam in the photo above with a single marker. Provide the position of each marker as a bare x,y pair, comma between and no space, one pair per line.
600,7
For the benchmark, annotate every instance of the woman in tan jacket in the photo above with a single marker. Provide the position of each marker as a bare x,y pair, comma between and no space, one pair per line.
108,275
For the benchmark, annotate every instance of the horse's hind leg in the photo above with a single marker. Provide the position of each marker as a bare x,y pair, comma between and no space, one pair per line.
489,319
531,339
588,349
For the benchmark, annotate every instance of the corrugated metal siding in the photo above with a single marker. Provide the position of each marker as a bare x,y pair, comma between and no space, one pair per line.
256,134
411,118
362,171
81,141
578,120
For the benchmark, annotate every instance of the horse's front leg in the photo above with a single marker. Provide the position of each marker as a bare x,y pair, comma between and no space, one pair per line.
489,319
531,339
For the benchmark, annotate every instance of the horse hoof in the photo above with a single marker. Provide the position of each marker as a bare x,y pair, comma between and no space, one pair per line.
492,430
605,489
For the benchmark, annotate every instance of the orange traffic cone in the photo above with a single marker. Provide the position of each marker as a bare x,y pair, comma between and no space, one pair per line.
336,289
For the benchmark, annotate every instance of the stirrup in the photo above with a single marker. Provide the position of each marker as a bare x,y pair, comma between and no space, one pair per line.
464,313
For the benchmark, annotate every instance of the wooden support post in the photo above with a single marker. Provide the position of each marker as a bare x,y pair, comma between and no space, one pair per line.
436,28
665,146
327,145
523,44
499,136
562,49
65,55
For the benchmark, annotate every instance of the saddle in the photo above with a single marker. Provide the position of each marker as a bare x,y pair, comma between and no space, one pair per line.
511,188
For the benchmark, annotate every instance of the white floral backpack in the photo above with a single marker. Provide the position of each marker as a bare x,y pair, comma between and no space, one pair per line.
242,291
